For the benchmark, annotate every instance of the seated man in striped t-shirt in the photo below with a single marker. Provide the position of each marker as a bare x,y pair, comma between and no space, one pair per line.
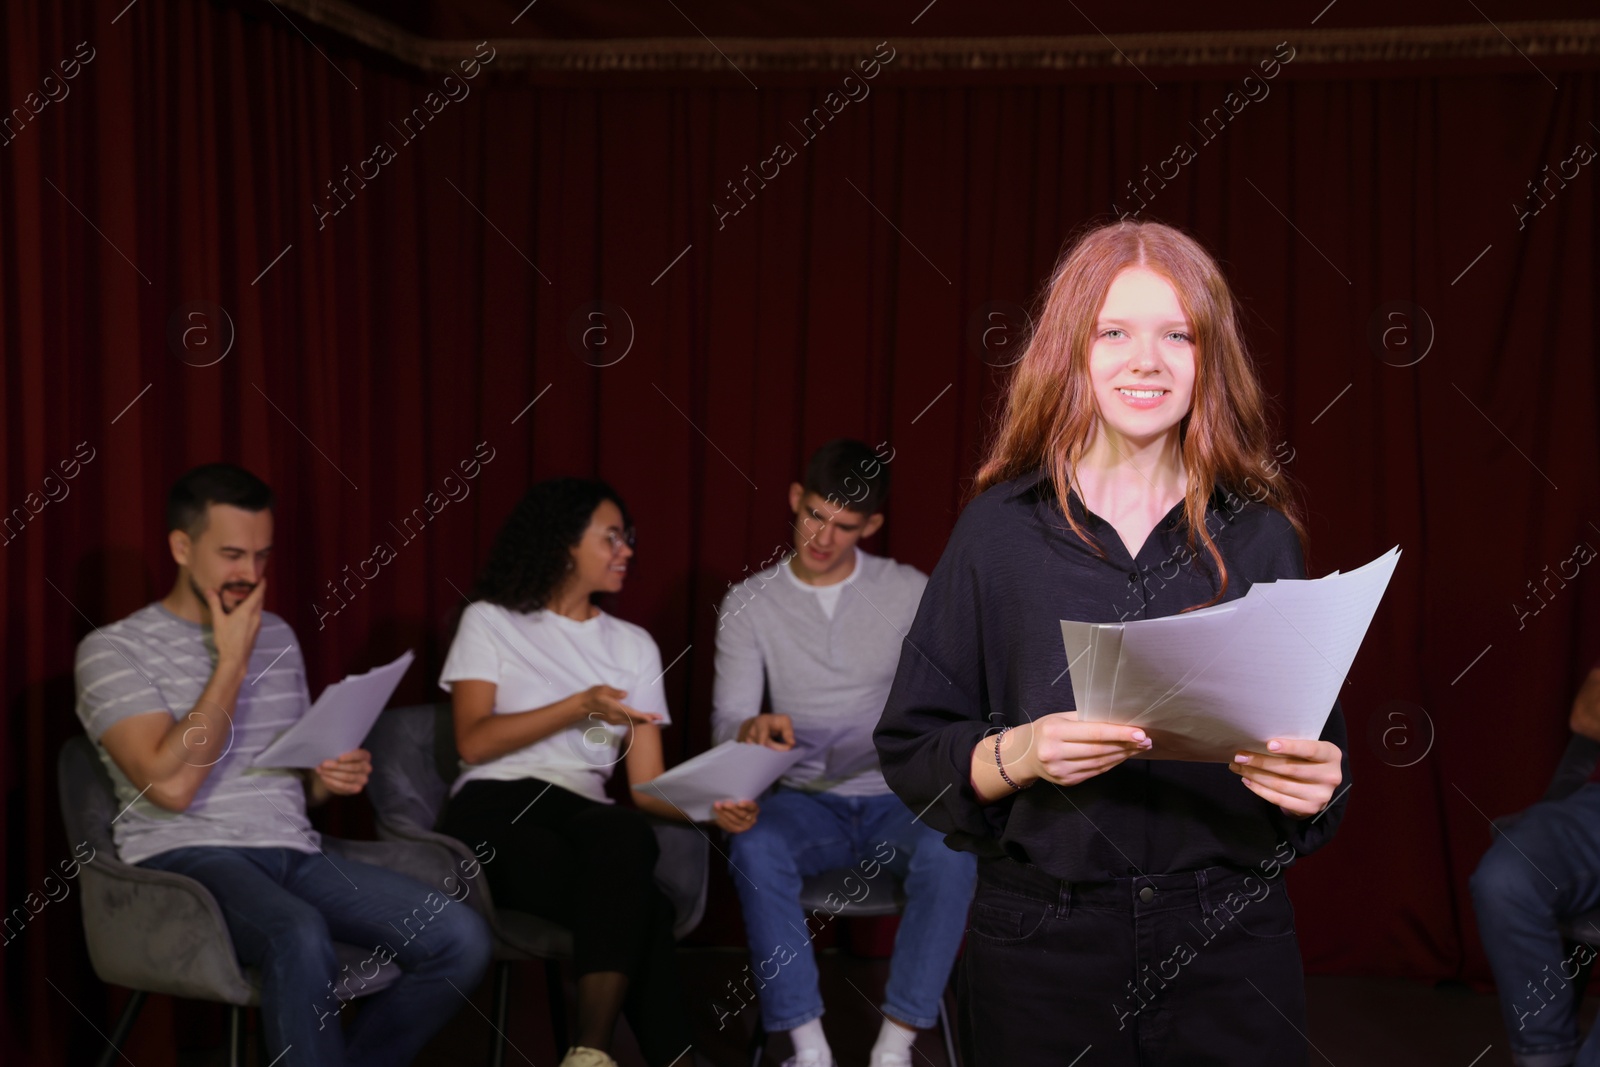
181,696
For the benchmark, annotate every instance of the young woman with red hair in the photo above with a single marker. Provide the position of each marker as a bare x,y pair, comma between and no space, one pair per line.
1131,906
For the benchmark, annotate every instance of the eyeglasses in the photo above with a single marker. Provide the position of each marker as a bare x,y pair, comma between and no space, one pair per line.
616,540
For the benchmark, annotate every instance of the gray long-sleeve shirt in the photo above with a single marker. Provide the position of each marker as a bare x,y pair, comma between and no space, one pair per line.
831,676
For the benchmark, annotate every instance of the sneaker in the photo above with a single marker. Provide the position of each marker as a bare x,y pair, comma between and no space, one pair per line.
808,1058
890,1059
579,1056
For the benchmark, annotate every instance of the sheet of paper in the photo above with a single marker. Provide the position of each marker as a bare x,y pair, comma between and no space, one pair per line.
1092,655
1196,641
733,770
340,719
1093,650
1105,657
1075,635
1208,683
1179,687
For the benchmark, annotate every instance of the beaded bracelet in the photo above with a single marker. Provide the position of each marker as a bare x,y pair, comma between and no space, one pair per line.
1004,776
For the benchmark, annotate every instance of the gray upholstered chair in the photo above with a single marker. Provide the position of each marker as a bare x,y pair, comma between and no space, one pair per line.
414,761
154,931
815,893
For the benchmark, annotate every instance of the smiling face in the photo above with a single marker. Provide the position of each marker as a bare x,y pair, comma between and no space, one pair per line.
1141,359
600,558
229,553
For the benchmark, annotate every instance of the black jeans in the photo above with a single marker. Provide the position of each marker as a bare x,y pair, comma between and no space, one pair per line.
591,868
1205,971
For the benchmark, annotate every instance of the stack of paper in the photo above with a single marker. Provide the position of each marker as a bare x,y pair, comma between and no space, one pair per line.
1209,683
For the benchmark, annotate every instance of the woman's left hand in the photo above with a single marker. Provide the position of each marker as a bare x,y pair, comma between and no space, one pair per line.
1298,776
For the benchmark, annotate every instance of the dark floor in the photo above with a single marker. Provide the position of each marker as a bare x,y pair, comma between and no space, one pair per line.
1354,1022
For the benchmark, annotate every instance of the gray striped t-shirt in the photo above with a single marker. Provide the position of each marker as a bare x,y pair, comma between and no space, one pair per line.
154,661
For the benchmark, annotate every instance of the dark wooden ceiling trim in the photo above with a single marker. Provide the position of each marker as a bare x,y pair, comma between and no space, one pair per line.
1471,41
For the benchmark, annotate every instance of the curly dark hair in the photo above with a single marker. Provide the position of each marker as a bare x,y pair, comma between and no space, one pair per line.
530,554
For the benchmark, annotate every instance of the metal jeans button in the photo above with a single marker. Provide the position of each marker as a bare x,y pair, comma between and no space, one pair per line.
1147,894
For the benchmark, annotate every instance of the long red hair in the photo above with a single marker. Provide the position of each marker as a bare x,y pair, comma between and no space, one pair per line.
1050,414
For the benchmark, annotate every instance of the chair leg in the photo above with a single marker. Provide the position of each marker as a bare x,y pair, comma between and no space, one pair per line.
124,1026
758,1042
949,1032
502,994
1580,981
557,996
236,1051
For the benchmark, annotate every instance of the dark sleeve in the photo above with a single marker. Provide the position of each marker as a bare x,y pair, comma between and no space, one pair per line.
1309,834
936,711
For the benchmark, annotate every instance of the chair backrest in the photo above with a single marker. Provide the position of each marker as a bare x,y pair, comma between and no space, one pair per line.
88,799
144,929
413,763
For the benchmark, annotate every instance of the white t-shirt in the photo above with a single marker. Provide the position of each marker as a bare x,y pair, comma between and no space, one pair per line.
827,595
537,658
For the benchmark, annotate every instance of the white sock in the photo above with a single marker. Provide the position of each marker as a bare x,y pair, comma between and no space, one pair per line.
810,1036
893,1040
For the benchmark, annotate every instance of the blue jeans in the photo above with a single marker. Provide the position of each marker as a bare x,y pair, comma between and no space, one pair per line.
1545,867
284,911
799,834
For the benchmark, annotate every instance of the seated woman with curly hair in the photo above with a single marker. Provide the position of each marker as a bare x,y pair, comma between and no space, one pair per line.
549,694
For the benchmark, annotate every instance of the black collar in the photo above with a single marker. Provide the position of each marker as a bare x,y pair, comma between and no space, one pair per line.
1029,481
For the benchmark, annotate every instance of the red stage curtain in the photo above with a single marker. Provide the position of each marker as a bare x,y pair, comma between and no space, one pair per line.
376,349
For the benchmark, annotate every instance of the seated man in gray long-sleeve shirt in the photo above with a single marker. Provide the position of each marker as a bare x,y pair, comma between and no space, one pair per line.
821,630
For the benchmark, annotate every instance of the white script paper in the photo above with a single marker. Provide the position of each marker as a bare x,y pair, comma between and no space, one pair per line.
340,719
1207,684
733,770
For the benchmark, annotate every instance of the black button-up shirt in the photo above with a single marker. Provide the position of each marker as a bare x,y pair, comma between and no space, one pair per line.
985,650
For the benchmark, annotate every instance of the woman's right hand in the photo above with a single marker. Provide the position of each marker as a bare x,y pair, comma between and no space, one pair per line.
604,703
1063,750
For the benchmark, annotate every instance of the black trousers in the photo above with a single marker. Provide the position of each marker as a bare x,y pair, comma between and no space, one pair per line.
591,868
1194,968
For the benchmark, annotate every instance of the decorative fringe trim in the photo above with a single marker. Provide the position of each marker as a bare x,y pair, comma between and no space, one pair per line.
1135,51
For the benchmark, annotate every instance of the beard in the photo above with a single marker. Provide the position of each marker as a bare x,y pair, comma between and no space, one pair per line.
239,588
